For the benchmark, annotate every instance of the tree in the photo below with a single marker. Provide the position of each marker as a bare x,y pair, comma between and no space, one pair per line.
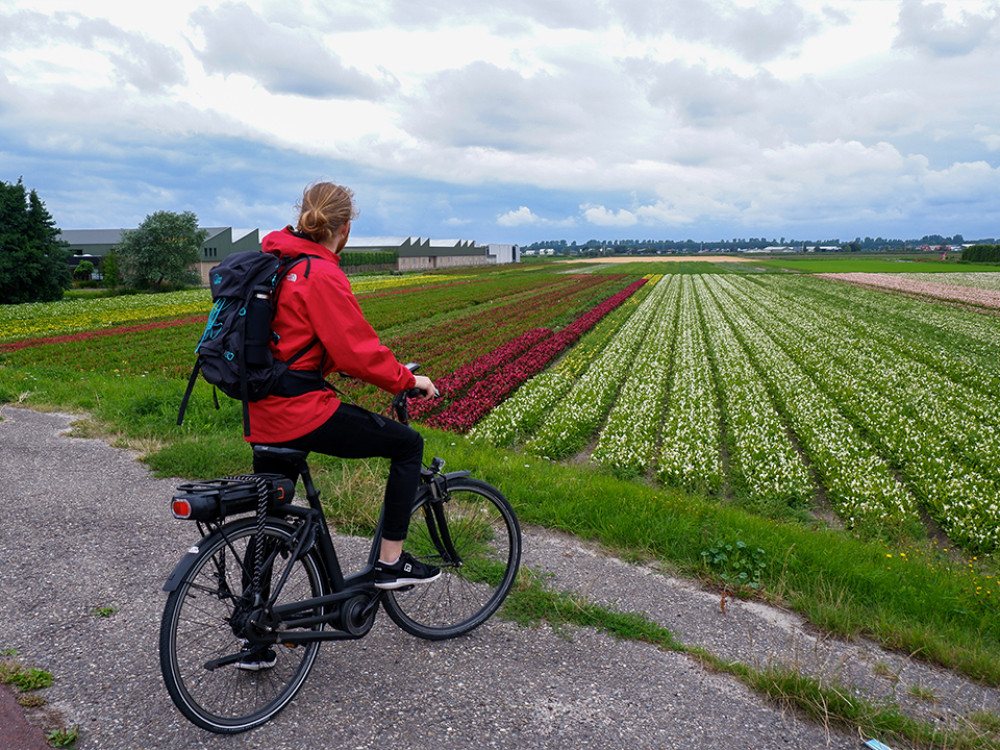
161,251
83,271
110,272
34,263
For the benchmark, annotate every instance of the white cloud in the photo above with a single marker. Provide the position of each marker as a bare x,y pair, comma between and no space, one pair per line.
602,217
525,217
283,58
51,46
518,218
584,114
757,32
928,28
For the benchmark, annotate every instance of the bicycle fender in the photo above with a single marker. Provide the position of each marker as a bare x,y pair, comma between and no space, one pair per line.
181,569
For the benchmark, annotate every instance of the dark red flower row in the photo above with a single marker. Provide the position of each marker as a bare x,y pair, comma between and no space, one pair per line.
485,394
84,335
459,380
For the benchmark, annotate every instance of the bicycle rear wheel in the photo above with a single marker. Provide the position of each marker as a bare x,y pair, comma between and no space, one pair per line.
197,629
484,532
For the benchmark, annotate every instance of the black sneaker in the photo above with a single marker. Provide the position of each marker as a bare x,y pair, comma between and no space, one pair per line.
256,660
407,571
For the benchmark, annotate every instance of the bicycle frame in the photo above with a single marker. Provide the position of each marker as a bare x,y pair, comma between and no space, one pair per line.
223,610
351,605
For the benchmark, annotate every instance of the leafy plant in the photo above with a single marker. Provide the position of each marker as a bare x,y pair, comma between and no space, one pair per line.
738,564
24,678
63,737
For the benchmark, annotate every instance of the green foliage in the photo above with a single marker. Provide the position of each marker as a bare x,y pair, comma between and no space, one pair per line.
63,737
33,261
110,270
24,678
374,258
161,251
738,564
981,254
83,271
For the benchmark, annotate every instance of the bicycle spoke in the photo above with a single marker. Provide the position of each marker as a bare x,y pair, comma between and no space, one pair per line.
198,631
485,540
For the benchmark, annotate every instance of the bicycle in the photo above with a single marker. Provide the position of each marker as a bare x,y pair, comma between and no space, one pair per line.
271,582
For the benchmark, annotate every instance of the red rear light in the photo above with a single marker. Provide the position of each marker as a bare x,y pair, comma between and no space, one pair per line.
181,508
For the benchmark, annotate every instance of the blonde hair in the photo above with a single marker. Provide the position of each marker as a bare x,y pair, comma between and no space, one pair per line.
325,207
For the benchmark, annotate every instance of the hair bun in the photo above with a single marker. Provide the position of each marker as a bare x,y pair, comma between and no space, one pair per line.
324,209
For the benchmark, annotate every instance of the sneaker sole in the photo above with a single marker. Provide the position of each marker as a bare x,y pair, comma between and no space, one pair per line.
404,582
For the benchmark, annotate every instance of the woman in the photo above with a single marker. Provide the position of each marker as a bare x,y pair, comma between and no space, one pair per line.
315,302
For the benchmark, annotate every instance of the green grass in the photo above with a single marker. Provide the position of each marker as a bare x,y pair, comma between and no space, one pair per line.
29,680
63,737
24,678
829,703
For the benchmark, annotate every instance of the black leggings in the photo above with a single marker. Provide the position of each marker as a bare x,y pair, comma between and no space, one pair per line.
353,432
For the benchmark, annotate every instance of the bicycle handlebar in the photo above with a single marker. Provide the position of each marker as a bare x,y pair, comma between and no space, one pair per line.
400,403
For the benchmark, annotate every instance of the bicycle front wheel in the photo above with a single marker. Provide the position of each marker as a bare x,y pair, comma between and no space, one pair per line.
474,537
199,630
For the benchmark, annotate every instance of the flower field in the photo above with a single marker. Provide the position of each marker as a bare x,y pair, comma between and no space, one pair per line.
49,319
978,289
784,393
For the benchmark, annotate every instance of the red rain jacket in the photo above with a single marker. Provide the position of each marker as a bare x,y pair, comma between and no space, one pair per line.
315,300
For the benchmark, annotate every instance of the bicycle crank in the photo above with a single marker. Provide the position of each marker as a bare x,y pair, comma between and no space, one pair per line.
357,614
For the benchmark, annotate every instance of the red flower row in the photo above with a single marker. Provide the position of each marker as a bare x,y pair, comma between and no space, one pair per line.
84,335
464,412
481,366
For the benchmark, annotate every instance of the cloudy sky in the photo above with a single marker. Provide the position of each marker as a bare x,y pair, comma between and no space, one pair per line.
515,121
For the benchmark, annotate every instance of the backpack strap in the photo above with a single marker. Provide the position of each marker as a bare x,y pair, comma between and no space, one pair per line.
190,387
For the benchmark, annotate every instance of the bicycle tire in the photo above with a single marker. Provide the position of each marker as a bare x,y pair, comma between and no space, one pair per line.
196,629
487,537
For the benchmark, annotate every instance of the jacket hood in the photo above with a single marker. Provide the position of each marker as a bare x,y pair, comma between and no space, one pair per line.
286,243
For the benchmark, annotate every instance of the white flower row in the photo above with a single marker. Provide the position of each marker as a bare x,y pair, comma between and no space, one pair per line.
521,414
631,434
941,434
571,423
859,483
763,461
689,453
959,343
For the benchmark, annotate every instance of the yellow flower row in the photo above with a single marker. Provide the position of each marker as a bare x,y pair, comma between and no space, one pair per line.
36,320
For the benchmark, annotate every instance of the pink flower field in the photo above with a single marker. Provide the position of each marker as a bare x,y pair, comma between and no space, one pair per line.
966,295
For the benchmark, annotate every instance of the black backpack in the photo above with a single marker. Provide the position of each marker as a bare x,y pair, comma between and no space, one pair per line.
234,353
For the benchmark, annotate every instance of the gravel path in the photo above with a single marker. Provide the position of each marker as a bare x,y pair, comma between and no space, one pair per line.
84,526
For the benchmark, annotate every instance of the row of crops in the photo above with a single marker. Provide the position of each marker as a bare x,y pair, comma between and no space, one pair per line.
783,391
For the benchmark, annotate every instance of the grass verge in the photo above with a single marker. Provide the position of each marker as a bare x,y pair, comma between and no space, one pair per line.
828,703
